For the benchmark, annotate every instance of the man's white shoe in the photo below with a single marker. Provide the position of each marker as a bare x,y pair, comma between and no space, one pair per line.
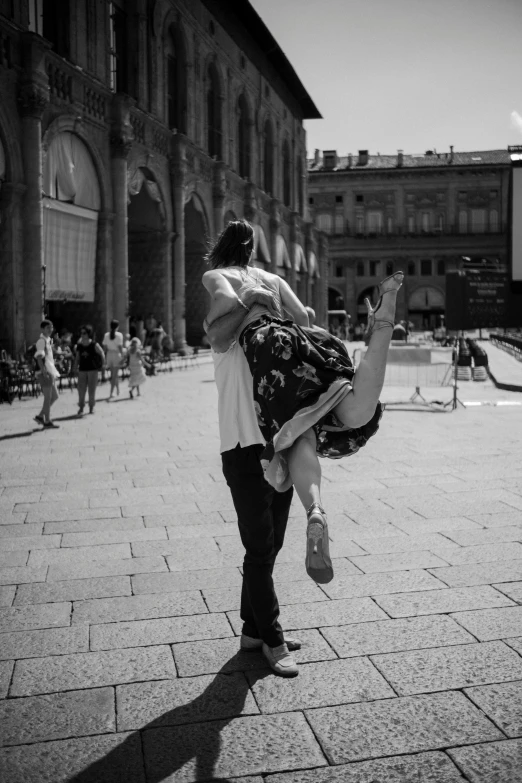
280,660
250,643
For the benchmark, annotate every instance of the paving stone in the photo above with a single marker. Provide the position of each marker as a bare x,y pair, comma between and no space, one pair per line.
20,531
138,607
399,561
30,542
177,520
223,655
169,630
516,644
14,559
184,549
177,702
7,594
425,671
108,758
434,542
112,537
428,767
73,590
502,519
80,554
61,514
25,618
480,574
94,525
488,624
441,601
319,685
513,590
394,635
223,749
435,525
57,716
492,762
192,580
397,726
287,593
296,572
6,671
491,535
379,584
51,641
484,553
91,670
112,567
322,614
502,703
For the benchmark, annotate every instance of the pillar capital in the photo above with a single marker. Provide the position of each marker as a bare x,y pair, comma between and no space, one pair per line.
275,214
33,98
219,184
121,134
250,207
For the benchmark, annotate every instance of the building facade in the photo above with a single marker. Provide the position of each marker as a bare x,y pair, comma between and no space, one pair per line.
425,214
130,132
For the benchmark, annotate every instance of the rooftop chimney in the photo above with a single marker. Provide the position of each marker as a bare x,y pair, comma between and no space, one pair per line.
451,153
350,160
329,159
317,157
363,158
400,158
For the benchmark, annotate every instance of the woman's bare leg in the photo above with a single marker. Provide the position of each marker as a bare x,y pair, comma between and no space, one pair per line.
305,470
358,406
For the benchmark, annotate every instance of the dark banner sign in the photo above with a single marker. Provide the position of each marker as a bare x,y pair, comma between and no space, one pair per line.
477,298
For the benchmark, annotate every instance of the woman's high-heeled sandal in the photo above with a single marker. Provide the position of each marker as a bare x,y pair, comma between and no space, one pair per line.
318,562
385,287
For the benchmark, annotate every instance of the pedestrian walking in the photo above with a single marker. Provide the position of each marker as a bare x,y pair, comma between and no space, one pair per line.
46,374
113,345
262,512
136,367
309,400
89,360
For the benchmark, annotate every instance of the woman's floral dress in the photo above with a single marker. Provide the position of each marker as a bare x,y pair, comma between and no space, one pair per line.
299,375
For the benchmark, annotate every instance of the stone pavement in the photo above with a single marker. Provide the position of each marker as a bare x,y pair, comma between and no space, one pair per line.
120,572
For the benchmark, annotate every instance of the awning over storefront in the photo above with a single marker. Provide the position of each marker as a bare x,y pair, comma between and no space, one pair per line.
261,252
137,179
313,266
69,173
69,251
300,259
282,257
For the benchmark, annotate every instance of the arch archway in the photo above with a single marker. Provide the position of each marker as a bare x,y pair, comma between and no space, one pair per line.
243,137
214,113
176,78
147,247
426,305
196,299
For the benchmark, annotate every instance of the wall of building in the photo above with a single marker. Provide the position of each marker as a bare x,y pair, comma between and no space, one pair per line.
73,84
383,217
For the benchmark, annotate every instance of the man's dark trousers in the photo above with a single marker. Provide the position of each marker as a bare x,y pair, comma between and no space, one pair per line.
262,515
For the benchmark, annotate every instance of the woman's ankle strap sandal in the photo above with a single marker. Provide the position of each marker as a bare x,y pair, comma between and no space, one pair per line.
386,286
318,562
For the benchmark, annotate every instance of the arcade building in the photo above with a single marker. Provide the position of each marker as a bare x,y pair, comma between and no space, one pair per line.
130,133
426,214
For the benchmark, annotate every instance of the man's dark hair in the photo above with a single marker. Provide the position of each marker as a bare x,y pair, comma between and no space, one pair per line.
87,328
45,323
233,247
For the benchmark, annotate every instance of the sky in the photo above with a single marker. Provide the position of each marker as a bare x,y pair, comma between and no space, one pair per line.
405,74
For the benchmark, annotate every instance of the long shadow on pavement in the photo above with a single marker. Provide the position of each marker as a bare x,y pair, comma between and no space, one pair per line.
171,740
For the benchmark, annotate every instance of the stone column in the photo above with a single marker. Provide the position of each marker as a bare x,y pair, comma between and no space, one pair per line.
32,101
275,226
178,174
121,137
166,244
11,267
294,241
104,274
219,190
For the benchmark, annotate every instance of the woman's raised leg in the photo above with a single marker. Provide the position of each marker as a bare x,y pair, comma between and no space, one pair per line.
358,407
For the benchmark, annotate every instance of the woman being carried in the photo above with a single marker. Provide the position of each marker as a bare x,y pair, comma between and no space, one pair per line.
308,398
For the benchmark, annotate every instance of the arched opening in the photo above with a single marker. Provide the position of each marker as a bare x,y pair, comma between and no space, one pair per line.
426,305
268,157
337,316
243,137
71,205
214,119
287,189
148,273
176,80
362,310
196,299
